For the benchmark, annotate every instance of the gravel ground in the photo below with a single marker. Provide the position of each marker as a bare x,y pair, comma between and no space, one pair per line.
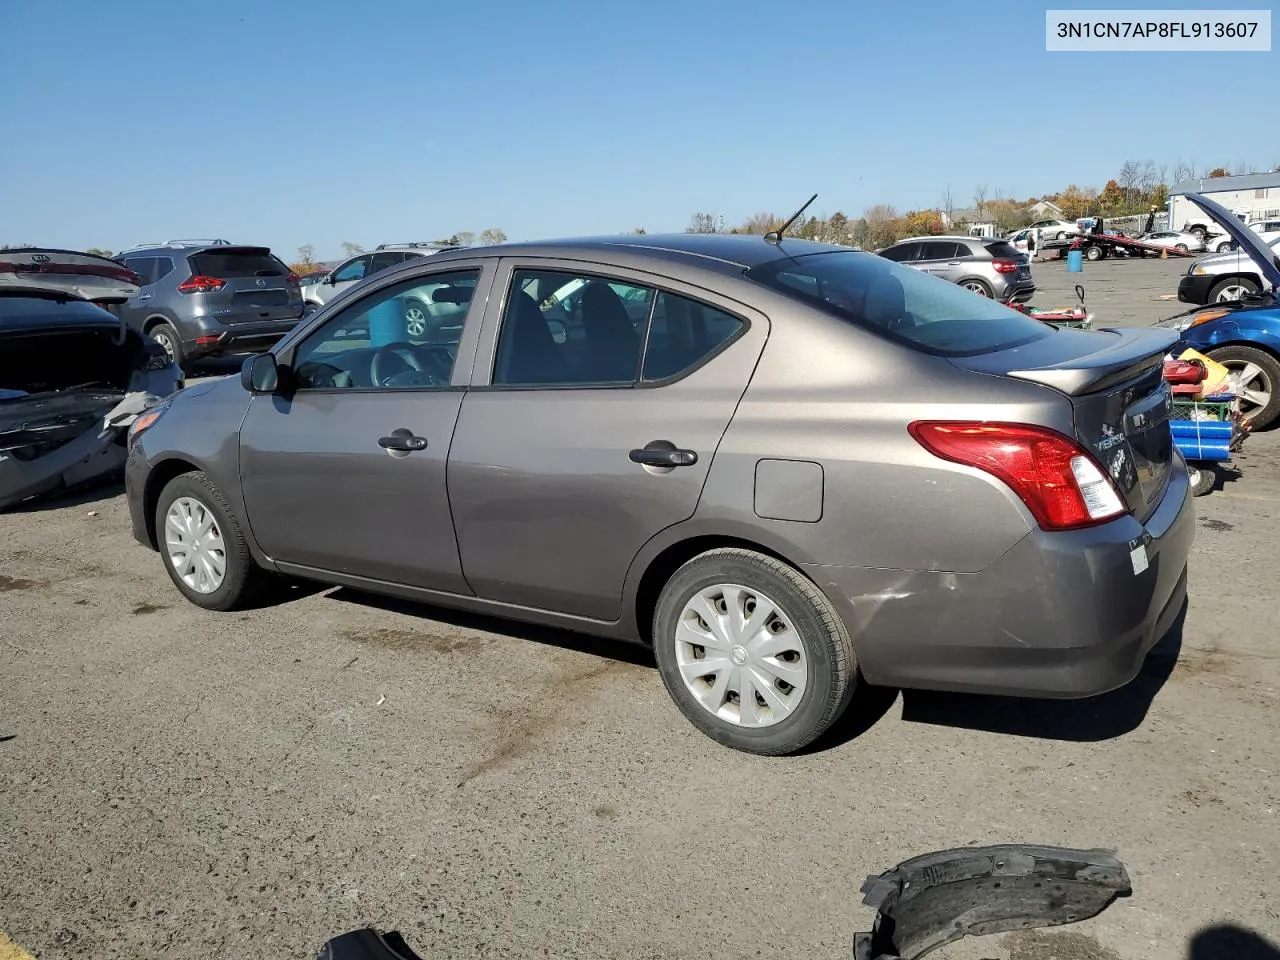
175,783
1119,293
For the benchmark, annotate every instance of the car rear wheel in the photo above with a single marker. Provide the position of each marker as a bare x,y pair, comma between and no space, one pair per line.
416,318
978,287
1093,253
1226,246
165,335
1259,376
1062,235
203,546
751,651
1233,288
1180,246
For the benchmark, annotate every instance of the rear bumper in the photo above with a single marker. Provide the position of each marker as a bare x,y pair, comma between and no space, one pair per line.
1195,289
1019,292
1060,615
235,339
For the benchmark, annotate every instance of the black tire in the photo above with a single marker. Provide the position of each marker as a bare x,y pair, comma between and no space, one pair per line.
980,287
831,670
164,334
242,577
1236,357
1203,476
1062,235
1244,283
1180,246
1093,253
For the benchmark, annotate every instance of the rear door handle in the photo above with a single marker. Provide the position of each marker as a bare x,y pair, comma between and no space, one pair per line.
144,296
664,456
402,441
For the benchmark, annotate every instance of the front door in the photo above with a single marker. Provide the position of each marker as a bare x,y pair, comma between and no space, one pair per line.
347,472
349,273
593,431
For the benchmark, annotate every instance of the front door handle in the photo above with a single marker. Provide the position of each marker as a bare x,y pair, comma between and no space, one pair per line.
665,455
402,441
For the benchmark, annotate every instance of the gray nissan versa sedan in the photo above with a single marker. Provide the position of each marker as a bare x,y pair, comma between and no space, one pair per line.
790,467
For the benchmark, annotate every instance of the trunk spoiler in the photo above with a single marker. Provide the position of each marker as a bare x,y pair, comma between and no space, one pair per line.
1132,352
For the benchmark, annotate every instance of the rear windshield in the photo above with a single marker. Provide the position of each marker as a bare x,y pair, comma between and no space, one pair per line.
1002,249
230,264
902,304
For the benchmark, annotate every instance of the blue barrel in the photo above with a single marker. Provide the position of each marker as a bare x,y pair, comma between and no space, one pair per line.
1205,429
1203,450
386,322
1075,261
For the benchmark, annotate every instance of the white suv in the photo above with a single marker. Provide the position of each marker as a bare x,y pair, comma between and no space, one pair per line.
363,265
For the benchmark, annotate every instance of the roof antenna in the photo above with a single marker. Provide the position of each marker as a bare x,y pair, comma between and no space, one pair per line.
775,236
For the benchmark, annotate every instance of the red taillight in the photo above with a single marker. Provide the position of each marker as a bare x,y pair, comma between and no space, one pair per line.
1005,266
1061,484
201,284
294,279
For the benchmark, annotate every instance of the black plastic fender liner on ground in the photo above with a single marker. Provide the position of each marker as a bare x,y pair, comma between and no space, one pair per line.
932,900
367,944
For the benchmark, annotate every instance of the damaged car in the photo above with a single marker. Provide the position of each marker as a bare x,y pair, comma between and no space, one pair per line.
84,275
72,380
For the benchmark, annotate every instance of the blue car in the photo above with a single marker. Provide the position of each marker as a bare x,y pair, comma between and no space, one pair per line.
1242,335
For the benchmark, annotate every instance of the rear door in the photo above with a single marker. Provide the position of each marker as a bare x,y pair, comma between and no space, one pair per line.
586,434
941,259
248,285
137,308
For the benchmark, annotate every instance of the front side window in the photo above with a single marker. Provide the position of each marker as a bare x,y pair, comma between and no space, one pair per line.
403,337
571,329
905,305
355,270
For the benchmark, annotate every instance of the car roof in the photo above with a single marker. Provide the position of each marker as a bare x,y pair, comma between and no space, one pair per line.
719,252
188,248
944,236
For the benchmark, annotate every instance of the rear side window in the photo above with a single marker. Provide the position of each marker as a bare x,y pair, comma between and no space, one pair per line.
164,267
908,306
1002,250
233,264
381,261
682,334
942,250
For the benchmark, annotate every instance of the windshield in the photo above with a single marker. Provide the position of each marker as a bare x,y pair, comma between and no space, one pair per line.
899,303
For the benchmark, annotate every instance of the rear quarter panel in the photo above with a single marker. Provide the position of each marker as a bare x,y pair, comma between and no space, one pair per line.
828,392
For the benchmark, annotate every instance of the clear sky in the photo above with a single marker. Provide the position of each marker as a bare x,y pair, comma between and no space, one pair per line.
287,123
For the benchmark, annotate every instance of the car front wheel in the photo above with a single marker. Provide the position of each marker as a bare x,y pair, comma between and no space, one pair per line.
1233,288
203,545
1259,378
751,651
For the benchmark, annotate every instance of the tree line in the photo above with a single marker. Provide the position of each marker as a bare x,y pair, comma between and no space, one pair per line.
1137,187
306,262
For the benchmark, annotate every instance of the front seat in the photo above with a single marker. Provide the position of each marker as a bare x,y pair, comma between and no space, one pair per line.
527,352
613,347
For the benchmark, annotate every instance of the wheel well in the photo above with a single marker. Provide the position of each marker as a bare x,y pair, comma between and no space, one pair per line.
159,477
1251,344
152,322
670,560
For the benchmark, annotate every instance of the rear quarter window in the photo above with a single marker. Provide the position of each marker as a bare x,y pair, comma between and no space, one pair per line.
229,265
1002,250
907,306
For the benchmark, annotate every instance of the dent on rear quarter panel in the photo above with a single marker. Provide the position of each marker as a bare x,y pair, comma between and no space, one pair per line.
827,392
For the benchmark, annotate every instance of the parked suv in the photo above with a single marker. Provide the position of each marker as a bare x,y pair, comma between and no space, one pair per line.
988,266
352,271
207,298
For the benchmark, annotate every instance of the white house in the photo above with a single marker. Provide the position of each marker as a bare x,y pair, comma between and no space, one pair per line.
1255,196
1045,210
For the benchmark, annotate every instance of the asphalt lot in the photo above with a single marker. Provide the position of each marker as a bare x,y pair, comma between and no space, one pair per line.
175,783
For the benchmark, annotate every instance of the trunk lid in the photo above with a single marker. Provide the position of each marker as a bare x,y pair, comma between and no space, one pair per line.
255,286
1120,402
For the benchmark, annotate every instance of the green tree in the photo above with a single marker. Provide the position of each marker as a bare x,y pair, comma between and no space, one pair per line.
100,252
350,249
493,235
463,238
640,231
701,222
1218,172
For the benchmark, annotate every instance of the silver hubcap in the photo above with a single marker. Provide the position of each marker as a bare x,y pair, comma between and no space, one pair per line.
740,657
162,338
1233,292
194,544
1255,385
415,321
977,288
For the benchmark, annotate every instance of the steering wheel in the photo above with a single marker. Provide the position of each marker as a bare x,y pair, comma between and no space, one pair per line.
398,365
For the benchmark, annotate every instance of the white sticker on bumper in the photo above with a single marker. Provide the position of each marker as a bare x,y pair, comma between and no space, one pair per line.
1138,557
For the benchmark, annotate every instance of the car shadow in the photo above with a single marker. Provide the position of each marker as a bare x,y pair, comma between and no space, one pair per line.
1227,941
632,653
83,494
1092,719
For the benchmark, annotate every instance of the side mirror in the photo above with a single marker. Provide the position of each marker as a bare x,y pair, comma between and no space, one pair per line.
328,279
260,374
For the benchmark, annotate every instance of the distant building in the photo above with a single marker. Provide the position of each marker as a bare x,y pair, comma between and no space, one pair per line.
1255,196
970,221
1045,210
